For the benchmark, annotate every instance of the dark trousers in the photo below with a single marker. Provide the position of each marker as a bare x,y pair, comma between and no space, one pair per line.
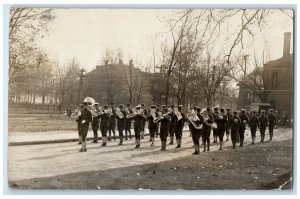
242,133
104,129
234,134
163,134
178,132
271,128
253,132
206,135
172,130
121,129
196,134
137,132
84,130
152,130
112,127
215,132
127,128
95,127
221,134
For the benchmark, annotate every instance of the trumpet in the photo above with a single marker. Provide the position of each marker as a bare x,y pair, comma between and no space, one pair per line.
166,115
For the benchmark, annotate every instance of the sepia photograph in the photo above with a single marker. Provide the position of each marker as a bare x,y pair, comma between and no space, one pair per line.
173,99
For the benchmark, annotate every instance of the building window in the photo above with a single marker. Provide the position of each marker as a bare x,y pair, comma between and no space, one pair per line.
274,79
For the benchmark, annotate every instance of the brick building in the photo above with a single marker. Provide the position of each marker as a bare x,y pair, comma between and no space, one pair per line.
277,83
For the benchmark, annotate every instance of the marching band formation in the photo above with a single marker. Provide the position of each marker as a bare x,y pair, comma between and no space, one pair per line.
170,121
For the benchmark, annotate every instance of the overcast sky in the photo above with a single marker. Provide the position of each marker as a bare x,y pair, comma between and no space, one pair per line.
86,33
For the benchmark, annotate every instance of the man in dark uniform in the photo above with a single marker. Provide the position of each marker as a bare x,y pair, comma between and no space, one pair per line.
121,123
151,125
195,125
179,126
244,120
104,124
172,125
285,120
253,124
158,124
272,120
78,120
216,130
95,122
144,120
128,122
229,116
263,123
221,122
235,125
86,118
164,128
112,121
206,130
138,122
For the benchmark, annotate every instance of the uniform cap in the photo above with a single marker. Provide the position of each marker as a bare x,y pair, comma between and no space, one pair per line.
153,106
222,110
105,106
121,105
243,110
234,112
96,104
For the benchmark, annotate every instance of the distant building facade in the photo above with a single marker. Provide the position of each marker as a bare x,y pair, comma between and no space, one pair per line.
277,85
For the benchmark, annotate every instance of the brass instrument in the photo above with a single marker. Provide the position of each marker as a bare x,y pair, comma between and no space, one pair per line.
119,113
162,116
192,120
131,115
178,115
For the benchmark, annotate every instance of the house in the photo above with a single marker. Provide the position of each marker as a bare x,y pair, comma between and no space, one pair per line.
275,83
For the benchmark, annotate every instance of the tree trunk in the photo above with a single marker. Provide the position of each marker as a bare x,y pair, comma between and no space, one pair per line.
167,91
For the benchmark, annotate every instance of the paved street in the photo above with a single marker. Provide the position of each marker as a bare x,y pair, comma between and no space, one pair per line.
46,160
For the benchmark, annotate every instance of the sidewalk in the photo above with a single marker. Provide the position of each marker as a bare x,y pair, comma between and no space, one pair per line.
28,138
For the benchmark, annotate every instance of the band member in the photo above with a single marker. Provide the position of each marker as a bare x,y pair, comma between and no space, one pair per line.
104,124
272,120
244,120
235,125
221,122
164,128
121,123
78,120
86,118
263,123
216,130
172,123
253,124
158,124
206,130
112,121
195,126
229,116
179,124
128,122
151,125
95,122
138,122
143,120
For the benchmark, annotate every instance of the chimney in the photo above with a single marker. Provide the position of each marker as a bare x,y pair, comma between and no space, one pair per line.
286,44
131,62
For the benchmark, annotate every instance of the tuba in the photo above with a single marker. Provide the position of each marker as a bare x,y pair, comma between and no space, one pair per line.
119,113
192,118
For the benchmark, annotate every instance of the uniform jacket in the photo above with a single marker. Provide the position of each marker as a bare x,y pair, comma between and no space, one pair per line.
244,120
87,116
263,122
235,123
221,122
104,118
254,122
272,119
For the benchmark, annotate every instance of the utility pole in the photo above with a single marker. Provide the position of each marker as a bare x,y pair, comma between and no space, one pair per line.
80,83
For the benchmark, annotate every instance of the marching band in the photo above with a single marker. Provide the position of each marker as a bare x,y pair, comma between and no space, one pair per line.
169,121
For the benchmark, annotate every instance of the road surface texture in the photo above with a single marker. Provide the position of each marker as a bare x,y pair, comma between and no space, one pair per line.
260,166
